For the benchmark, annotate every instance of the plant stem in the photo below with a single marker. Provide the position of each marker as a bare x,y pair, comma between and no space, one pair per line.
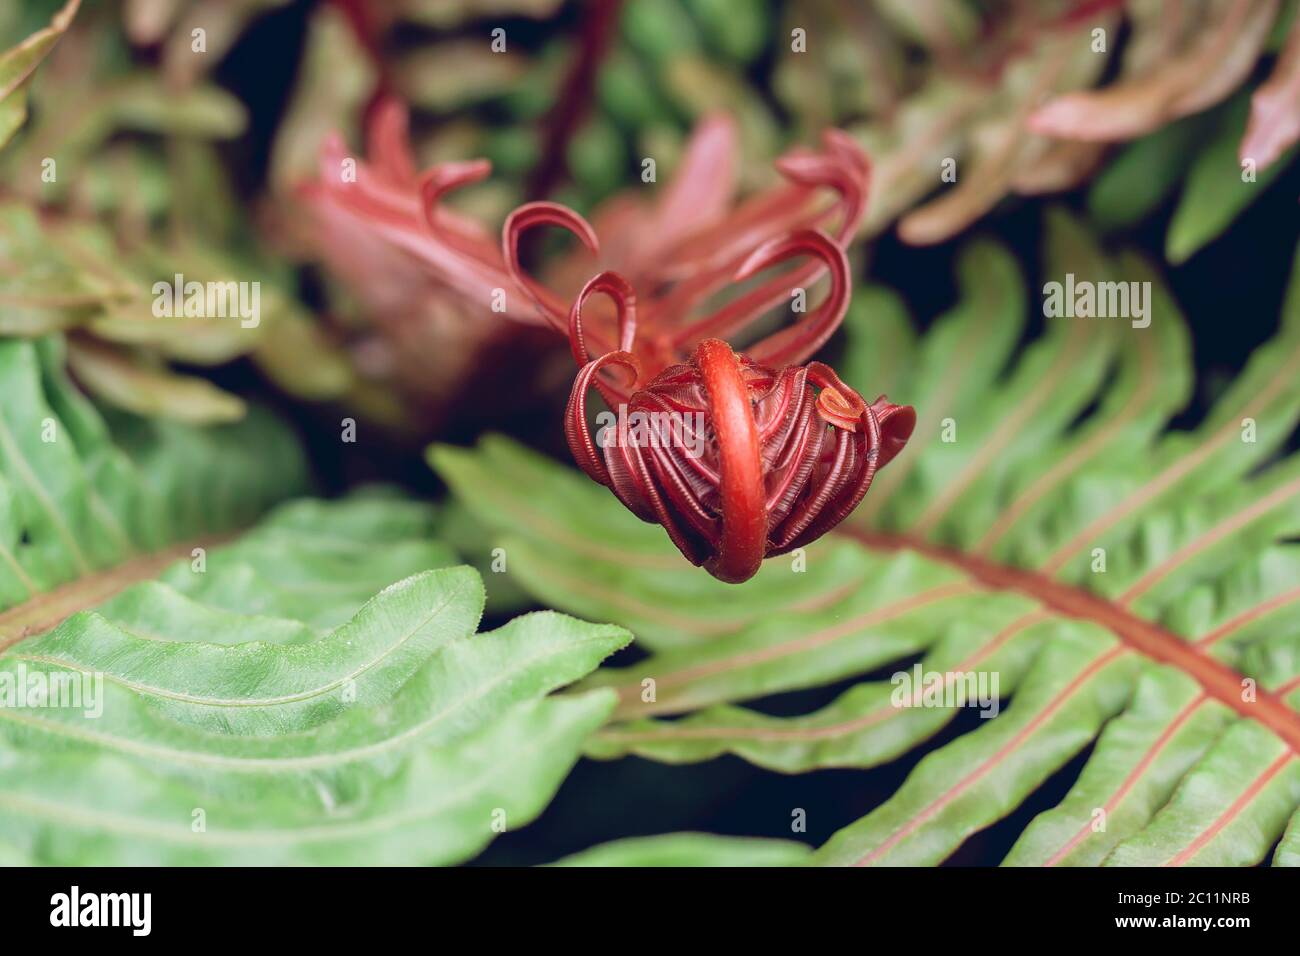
1218,679
574,98
48,610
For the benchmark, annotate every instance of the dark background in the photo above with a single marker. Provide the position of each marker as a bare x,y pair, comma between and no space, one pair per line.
1231,292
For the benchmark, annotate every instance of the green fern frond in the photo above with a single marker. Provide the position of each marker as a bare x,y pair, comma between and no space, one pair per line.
79,497
690,849
396,735
1197,158
18,63
177,689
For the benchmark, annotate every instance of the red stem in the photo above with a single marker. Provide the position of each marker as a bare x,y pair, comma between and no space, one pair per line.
1218,679
574,98
744,511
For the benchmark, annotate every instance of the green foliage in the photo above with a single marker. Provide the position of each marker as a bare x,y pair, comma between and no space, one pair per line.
60,275
1044,527
303,683
1200,154
271,698
690,849
308,721
1218,188
19,62
73,500
114,152
1144,174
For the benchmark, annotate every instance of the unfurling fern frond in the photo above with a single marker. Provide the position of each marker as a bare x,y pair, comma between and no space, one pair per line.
1132,588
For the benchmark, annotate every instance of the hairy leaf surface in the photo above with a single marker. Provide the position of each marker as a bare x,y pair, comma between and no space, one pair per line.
256,737
176,688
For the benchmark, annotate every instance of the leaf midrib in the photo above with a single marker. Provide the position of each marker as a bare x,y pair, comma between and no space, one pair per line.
317,761
119,823
309,693
1178,469
48,609
1217,679
1039,719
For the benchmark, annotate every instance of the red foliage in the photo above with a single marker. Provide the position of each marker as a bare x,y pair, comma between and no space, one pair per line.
751,454
739,457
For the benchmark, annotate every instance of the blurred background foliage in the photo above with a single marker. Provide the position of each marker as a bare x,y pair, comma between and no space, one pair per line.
173,155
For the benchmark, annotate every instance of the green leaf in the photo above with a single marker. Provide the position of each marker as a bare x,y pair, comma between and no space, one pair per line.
13,113
142,103
264,697
397,736
144,389
690,849
1151,746
1144,175
472,542
453,74
269,688
18,64
879,315
612,566
438,808
1049,551
59,274
1217,192
627,91
659,29
739,30
73,503
1232,804
961,358
597,156
1077,685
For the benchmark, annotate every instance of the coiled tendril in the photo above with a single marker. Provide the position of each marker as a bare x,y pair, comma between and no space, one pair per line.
739,457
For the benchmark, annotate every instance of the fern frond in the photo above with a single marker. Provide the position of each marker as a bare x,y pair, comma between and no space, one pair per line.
1131,586
690,849
226,729
77,503
18,64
